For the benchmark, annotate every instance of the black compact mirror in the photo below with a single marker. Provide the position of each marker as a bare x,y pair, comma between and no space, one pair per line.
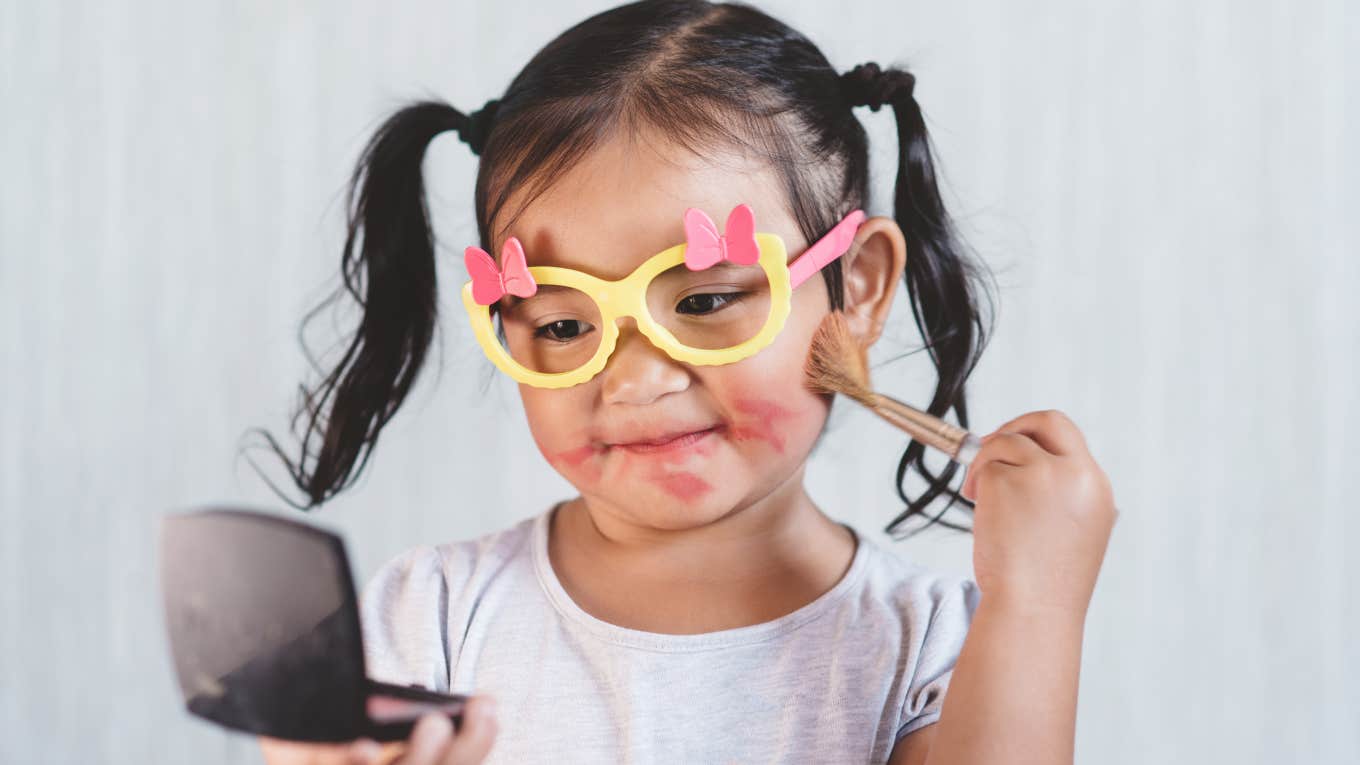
263,622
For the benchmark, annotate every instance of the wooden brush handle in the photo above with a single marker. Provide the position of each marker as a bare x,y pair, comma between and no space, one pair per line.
959,444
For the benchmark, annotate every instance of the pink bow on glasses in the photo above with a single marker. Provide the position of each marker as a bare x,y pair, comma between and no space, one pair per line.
704,246
490,284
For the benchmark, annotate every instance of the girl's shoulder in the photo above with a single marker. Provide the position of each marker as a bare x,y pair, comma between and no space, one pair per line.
406,607
911,589
438,567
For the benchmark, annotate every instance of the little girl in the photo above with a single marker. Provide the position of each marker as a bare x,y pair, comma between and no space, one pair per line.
668,201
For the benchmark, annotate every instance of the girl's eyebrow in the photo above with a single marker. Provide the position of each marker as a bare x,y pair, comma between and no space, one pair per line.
516,299
726,266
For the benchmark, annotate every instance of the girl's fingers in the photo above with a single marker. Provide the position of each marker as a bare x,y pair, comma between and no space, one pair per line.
428,740
365,751
1051,429
1002,447
477,734
390,753
1011,448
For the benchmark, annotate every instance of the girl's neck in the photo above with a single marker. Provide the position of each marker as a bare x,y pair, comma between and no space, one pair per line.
769,559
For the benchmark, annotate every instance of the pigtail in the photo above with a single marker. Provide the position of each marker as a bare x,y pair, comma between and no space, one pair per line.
388,266
940,276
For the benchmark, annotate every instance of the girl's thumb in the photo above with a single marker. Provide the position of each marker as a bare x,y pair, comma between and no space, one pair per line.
478,732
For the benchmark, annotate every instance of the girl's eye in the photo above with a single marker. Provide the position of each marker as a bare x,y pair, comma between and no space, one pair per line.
708,302
563,330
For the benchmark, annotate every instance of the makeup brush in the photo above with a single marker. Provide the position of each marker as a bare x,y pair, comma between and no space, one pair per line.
838,363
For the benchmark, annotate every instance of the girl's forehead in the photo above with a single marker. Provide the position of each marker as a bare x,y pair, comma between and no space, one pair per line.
609,241
623,203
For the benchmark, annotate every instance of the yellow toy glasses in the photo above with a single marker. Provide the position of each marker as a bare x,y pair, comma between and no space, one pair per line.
716,299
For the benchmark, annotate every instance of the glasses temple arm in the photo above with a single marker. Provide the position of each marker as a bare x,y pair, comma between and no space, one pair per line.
826,249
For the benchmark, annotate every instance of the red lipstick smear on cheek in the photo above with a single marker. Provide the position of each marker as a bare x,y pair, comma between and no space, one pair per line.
762,422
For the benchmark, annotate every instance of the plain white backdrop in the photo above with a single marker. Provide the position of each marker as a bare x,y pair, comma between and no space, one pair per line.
1166,191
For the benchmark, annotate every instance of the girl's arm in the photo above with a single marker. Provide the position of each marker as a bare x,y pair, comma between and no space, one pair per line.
1013,694
1042,522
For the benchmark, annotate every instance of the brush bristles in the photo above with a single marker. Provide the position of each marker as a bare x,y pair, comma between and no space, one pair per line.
837,363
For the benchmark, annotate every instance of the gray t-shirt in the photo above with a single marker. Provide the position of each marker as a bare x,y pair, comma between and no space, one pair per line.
839,680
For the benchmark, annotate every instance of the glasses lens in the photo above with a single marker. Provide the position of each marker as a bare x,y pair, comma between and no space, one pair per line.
718,307
556,330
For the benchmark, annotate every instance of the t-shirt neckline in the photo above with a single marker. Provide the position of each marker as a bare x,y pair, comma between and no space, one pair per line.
703,641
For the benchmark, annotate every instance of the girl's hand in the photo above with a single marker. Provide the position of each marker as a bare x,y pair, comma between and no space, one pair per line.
1043,515
432,742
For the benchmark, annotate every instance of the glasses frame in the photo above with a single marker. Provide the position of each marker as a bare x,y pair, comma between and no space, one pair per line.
618,298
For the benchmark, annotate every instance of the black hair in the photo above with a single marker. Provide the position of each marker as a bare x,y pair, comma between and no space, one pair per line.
702,74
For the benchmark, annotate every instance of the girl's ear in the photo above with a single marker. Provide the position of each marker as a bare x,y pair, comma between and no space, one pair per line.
873,268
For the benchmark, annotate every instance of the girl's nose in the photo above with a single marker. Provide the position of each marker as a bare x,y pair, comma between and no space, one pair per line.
638,372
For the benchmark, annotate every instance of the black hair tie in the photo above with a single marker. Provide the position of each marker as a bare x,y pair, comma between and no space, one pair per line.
477,126
868,85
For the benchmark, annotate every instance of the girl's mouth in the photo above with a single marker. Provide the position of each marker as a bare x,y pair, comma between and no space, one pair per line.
673,444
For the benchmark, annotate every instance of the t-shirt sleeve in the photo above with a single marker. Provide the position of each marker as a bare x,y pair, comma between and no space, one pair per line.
402,613
951,606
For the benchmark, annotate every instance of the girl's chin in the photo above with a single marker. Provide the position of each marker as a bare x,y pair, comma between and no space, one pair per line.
673,500
674,515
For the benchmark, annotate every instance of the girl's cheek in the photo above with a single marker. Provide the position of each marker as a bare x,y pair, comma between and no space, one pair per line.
763,421
574,458
771,405
771,408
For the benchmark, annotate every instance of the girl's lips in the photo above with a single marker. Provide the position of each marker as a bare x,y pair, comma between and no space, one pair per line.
679,442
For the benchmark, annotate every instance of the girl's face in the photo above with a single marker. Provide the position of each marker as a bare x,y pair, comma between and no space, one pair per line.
618,206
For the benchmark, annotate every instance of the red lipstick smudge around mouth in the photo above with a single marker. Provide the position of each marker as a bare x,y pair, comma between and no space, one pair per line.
579,459
762,423
683,486
574,457
678,453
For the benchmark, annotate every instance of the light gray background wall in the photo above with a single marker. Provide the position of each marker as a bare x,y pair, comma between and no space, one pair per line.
1165,189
